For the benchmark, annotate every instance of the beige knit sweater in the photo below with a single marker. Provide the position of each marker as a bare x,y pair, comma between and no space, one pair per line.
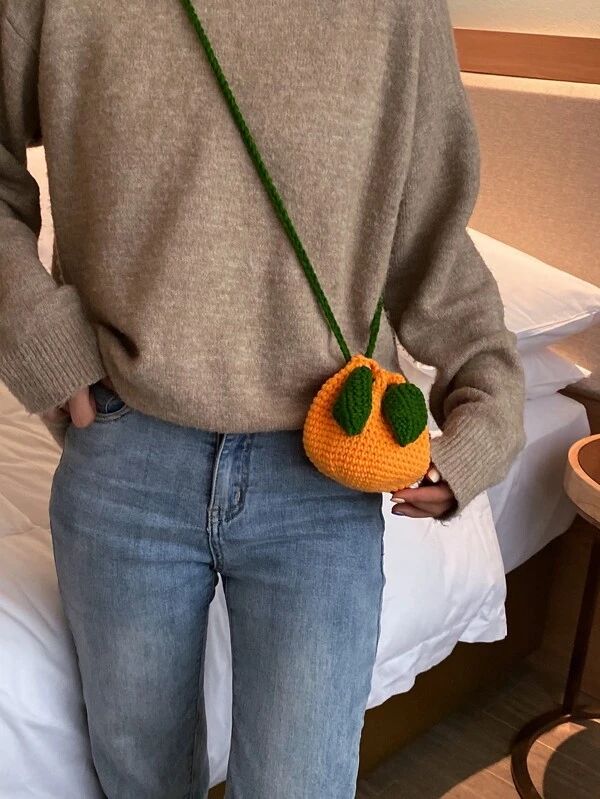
172,273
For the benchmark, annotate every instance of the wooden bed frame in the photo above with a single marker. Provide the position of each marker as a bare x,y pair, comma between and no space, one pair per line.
557,219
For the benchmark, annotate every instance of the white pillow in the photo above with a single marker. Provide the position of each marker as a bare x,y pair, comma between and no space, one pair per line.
546,372
542,304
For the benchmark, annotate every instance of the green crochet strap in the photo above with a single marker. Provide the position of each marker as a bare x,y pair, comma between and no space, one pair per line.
278,204
374,328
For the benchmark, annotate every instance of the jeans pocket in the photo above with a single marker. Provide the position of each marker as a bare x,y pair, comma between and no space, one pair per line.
109,405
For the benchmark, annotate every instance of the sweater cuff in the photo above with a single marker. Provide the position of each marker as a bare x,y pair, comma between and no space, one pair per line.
466,456
45,371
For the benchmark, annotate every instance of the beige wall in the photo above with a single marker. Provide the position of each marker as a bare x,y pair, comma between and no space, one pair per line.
566,17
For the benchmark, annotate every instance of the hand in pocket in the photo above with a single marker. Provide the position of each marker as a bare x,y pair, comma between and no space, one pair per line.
80,408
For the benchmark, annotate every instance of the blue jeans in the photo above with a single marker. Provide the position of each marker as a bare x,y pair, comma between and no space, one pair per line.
145,515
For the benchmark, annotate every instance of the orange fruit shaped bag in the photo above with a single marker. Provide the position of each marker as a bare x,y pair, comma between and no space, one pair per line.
366,427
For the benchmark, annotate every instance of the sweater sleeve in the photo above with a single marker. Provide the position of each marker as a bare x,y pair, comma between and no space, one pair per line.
47,346
441,298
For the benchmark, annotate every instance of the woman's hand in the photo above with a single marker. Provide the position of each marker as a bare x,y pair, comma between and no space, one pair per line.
80,407
433,497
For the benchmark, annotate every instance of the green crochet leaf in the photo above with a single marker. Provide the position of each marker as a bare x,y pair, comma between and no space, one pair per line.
405,410
353,405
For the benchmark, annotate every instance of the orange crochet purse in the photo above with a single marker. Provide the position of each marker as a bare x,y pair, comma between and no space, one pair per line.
366,427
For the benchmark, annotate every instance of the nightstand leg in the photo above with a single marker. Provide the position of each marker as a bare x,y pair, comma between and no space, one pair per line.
527,736
584,629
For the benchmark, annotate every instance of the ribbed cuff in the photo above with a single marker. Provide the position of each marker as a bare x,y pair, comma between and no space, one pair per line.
44,371
468,458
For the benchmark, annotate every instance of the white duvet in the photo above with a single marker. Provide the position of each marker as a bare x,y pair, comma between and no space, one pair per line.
445,583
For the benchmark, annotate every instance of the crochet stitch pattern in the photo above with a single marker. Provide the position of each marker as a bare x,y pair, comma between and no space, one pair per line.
366,427
372,460
353,406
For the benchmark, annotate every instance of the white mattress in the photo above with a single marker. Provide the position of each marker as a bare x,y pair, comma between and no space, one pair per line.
529,505
445,583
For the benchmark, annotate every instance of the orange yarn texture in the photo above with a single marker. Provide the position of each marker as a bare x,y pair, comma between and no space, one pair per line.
372,460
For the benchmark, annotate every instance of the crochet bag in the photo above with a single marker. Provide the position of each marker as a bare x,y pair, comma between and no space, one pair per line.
366,427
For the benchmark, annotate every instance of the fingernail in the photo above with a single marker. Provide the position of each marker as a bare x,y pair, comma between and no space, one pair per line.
398,512
393,499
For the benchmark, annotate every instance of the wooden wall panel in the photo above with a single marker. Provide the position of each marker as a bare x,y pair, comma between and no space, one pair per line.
529,55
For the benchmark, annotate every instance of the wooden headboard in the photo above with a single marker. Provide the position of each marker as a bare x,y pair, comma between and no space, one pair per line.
540,175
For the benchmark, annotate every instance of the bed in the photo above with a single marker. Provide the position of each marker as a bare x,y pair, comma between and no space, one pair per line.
445,619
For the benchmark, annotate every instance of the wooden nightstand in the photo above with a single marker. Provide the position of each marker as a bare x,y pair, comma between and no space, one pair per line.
582,484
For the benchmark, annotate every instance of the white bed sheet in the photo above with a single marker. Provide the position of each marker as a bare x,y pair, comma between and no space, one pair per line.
445,583
529,507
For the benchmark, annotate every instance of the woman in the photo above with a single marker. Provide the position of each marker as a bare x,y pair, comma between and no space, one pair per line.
178,340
